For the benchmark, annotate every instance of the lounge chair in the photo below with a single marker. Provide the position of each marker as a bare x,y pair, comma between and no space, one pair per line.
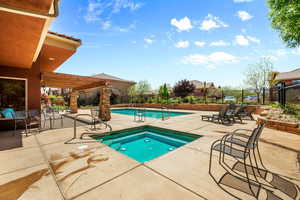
213,117
233,114
243,112
222,116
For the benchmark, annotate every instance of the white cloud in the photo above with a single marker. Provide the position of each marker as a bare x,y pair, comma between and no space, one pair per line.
126,29
243,15
241,1
120,4
183,24
106,25
271,58
212,22
253,39
210,60
295,51
149,41
241,40
281,52
103,11
182,44
243,30
199,44
219,43
94,10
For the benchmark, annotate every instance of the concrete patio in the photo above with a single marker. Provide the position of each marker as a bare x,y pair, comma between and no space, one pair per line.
41,166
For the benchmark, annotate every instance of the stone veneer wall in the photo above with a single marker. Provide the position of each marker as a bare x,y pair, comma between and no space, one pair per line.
73,102
281,126
104,105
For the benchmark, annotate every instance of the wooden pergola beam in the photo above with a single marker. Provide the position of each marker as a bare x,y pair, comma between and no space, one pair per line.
91,86
60,80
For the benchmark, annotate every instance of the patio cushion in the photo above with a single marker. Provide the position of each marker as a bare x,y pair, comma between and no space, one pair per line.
8,113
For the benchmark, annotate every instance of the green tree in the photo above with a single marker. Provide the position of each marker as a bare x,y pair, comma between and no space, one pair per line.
183,88
257,76
143,87
164,92
137,92
284,16
132,93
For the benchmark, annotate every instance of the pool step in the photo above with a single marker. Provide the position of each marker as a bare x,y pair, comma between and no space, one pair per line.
165,139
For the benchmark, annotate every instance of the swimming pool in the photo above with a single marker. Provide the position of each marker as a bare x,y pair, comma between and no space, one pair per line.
149,113
146,142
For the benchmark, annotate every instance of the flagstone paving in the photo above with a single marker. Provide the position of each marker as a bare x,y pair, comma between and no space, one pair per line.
50,165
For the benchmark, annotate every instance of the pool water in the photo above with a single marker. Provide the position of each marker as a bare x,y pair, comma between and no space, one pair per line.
146,143
149,113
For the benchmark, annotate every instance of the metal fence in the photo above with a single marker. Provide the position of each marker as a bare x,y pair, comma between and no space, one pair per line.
249,96
288,93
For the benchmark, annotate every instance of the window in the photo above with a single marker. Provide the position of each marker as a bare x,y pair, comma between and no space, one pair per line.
13,93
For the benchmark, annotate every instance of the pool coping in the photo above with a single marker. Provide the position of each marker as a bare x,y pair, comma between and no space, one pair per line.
154,109
196,136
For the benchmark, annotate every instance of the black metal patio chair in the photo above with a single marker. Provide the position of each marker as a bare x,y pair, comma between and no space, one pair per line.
34,118
95,114
221,116
232,113
20,118
28,120
239,146
230,144
244,112
57,115
46,115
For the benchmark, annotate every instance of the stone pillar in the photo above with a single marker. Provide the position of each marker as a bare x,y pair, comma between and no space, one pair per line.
104,105
73,102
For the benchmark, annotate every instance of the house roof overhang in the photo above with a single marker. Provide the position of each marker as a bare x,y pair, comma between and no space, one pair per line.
24,28
56,49
288,76
25,39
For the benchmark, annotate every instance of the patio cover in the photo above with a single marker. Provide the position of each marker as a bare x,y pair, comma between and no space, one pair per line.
76,82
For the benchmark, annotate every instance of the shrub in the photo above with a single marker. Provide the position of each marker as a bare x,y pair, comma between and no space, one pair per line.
292,109
190,99
183,88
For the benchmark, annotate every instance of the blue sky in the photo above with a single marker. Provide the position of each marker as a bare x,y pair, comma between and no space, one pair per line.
164,41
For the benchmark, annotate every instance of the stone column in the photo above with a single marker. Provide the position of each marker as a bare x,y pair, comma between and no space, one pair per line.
104,105
73,102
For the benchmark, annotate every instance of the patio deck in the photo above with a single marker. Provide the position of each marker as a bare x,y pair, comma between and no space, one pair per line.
41,166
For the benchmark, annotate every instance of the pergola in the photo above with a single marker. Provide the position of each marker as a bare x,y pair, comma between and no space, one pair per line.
80,83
